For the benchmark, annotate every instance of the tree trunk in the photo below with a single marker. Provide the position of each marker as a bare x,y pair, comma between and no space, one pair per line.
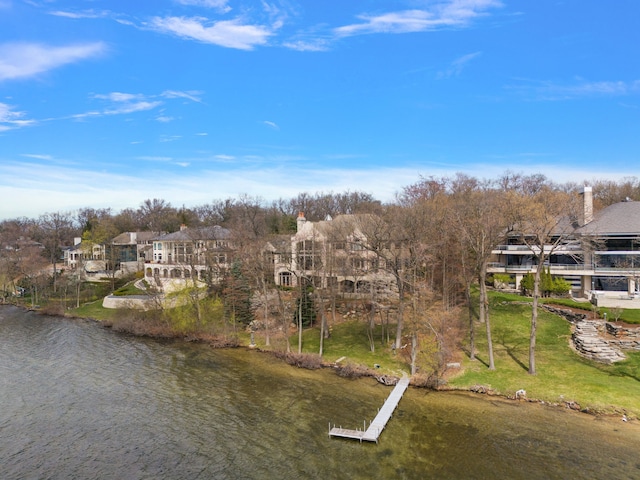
472,332
267,340
399,326
323,328
414,353
534,317
484,314
300,323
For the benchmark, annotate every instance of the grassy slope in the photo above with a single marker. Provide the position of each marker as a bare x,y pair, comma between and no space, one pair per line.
349,339
562,374
94,310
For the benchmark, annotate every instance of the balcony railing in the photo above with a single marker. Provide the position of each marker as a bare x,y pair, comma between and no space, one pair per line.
565,267
525,248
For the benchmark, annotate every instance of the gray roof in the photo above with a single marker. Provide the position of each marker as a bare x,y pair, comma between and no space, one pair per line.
619,218
279,243
191,234
141,237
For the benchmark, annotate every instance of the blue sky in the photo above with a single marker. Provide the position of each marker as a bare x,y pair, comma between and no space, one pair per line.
105,103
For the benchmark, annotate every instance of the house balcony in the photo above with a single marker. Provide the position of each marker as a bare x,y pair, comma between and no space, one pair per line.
530,250
573,269
567,269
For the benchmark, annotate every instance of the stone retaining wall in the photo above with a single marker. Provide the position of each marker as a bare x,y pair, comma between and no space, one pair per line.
133,302
588,342
624,337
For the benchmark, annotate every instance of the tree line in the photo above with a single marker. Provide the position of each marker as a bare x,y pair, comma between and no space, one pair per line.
435,239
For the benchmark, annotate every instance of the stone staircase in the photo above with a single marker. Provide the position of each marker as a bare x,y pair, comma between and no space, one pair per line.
589,343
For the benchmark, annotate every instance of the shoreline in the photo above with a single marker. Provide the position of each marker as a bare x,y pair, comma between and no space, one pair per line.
356,371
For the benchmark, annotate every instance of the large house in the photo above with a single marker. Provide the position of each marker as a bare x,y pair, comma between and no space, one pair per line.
201,254
331,253
601,256
89,261
131,250
126,253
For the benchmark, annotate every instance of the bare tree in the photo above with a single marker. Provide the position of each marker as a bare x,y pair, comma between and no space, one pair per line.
158,215
482,222
543,222
55,231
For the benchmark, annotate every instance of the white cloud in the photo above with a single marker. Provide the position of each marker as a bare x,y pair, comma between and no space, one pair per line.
225,33
120,97
79,15
169,138
271,124
458,65
37,156
24,60
221,5
132,108
33,195
579,89
48,191
192,95
11,119
448,13
315,45
125,103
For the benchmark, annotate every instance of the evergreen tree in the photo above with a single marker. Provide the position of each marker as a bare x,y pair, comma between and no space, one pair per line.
305,306
546,282
237,295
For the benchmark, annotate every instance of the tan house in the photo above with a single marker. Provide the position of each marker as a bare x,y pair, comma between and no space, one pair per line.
332,253
201,254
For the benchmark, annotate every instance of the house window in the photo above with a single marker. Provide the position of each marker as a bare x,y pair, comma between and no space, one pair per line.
358,263
356,246
308,256
284,279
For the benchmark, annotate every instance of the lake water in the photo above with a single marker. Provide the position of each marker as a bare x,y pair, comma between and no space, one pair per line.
79,401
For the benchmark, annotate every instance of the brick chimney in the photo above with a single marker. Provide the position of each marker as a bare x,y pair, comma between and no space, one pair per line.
586,213
301,221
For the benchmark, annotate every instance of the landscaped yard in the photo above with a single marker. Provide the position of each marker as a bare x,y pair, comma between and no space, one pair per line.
562,375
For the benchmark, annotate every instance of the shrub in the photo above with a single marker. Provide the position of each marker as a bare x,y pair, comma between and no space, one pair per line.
502,280
351,370
549,284
310,361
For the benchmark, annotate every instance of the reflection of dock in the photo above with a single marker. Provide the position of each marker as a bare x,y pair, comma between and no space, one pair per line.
372,433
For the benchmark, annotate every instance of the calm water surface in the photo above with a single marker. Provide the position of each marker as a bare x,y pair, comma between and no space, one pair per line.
78,401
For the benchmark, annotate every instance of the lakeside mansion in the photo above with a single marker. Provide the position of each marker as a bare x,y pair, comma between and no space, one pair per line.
599,257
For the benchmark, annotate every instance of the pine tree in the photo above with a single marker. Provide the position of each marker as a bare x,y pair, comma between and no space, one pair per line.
237,296
305,306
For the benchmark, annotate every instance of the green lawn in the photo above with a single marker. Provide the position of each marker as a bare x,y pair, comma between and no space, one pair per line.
562,375
350,340
128,289
94,310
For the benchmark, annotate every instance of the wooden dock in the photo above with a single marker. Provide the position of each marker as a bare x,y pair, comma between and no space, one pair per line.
372,433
